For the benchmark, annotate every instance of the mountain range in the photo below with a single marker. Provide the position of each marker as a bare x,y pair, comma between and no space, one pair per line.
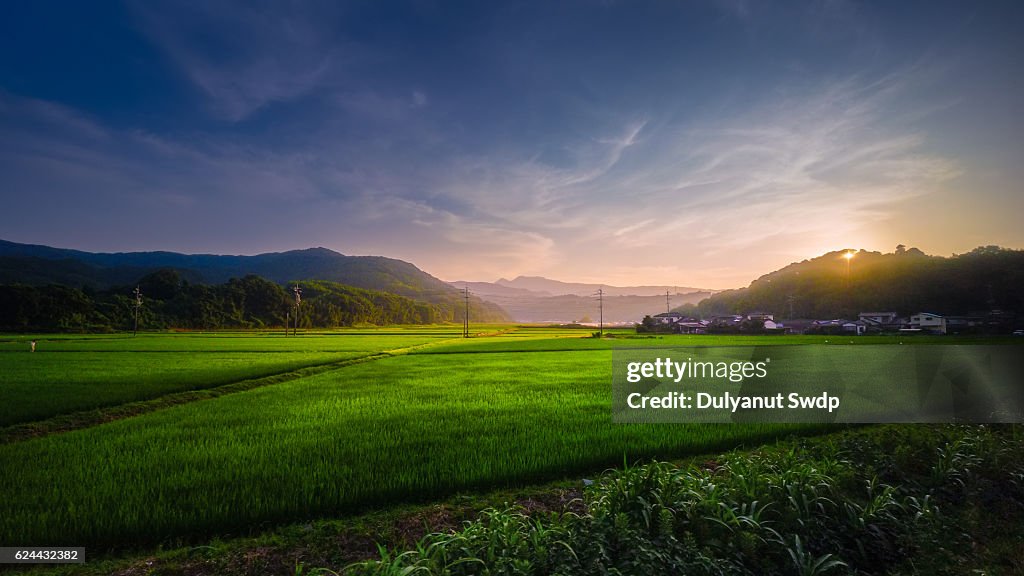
986,281
522,299
550,287
40,265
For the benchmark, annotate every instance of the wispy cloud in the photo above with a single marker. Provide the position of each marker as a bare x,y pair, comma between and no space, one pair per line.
800,170
244,57
804,169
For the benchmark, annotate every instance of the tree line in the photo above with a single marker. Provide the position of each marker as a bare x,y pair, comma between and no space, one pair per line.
171,302
984,281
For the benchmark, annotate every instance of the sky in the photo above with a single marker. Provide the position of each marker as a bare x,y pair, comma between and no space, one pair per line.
694,143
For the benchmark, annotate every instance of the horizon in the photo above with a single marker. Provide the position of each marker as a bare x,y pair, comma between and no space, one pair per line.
688,287
699,145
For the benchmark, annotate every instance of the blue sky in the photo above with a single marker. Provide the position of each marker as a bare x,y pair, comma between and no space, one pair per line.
694,143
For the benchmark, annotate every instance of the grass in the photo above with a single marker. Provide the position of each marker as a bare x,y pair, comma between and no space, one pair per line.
831,492
354,340
398,429
39,386
71,374
543,340
446,415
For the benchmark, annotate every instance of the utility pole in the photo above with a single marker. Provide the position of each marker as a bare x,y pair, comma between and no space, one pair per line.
465,320
287,322
298,301
668,306
600,305
138,304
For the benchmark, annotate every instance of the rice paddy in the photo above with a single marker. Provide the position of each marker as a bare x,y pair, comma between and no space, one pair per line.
432,417
69,374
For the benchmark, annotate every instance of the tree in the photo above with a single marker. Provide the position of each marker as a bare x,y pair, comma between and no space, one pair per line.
164,284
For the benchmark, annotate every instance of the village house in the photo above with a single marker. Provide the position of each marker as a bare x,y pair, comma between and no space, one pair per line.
881,321
668,317
691,326
928,322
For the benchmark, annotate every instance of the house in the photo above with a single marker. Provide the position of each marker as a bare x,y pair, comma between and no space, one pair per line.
795,326
729,320
879,318
928,322
668,317
881,321
858,327
964,324
760,316
691,326
838,327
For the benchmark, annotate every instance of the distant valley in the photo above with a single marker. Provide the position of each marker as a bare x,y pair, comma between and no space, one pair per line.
538,299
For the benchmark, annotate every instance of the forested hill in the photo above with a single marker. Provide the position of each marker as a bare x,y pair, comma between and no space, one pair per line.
38,265
905,281
170,302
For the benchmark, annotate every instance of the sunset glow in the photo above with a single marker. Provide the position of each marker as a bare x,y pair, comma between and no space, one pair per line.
698,144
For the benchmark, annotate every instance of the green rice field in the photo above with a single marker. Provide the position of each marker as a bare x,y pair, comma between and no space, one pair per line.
68,374
430,414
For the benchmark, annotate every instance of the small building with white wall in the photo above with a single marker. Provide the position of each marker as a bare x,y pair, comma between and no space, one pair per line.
926,321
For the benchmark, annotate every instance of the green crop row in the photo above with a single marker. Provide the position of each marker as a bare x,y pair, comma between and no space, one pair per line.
851,506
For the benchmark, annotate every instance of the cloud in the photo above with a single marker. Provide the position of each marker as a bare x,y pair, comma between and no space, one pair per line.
244,57
704,199
65,170
802,168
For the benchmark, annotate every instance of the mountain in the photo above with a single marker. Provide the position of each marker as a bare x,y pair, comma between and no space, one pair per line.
986,281
493,289
571,308
36,271
39,265
572,302
557,288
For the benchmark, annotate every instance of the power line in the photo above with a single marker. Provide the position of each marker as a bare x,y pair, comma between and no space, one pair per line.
298,301
138,304
465,320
